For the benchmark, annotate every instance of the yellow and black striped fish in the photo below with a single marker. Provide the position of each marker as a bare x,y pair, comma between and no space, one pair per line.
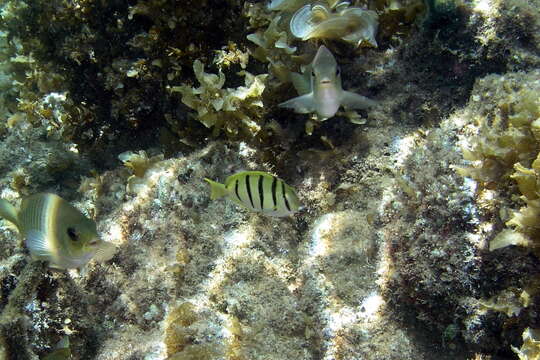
258,191
54,230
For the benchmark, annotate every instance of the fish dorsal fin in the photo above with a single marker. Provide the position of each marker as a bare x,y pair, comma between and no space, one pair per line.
36,241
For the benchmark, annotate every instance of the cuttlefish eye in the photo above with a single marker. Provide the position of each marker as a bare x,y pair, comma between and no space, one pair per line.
72,233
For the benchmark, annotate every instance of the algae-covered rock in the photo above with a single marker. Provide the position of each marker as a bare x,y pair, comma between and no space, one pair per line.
388,259
3,349
504,152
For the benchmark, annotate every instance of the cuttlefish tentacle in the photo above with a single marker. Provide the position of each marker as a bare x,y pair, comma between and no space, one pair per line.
325,95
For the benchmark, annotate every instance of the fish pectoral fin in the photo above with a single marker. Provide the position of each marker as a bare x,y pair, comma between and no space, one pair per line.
302,104
36,242
351,100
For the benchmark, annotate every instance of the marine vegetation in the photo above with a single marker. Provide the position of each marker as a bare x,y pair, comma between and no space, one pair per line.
505,157
504,160
235,111
258,191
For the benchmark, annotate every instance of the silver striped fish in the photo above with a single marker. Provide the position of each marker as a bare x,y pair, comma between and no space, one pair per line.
258,191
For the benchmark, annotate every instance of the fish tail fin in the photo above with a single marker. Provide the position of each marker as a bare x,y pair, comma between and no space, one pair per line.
218,190
8,212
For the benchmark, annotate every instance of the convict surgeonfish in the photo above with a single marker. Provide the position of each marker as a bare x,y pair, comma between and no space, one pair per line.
54,230
320,89
258,191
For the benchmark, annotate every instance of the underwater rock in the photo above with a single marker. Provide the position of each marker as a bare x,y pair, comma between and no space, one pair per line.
388,261
504,154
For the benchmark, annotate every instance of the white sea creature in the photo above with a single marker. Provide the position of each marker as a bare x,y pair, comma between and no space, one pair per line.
290,5
350,24
323,93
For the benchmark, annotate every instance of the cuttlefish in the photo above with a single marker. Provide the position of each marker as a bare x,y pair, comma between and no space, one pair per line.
320,89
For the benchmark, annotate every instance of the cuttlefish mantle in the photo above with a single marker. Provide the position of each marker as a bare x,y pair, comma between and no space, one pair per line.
320,89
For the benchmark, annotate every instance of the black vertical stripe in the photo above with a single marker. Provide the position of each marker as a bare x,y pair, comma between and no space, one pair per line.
284,197
261,192
274,185
249,191
236,190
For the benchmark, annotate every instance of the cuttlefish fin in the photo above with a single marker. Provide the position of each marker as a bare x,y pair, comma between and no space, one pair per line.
351,100
302,104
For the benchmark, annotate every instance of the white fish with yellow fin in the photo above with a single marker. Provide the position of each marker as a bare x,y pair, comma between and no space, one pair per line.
258,191
322,92
54,230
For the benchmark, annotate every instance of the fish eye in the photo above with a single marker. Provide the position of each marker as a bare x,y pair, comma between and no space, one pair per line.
338,71
72,233
313,73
